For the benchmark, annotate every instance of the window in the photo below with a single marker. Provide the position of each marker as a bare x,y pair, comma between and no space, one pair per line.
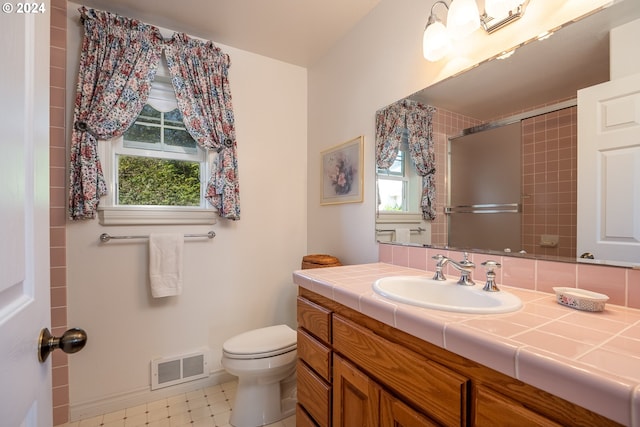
399,186
158,163
156,172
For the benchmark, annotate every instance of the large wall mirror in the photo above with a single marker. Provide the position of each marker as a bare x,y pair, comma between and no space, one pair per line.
535,88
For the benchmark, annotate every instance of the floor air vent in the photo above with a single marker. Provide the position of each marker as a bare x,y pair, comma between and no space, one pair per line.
168,371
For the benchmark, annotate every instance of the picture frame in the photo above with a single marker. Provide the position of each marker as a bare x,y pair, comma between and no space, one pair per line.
342,168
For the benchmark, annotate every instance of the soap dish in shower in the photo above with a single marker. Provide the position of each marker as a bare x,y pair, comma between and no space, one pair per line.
581,299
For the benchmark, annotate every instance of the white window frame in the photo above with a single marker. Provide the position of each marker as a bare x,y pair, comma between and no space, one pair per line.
412,190
162,98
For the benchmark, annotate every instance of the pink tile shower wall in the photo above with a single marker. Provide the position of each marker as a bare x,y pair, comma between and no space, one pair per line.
57,208
622,285
549,182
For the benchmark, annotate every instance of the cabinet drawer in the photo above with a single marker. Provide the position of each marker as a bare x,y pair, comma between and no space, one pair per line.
314,394
302,418
315,354
315,319
438,391
494,409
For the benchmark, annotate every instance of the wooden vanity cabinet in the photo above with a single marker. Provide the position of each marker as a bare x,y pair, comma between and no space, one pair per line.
433,389
360,401
494,409
356,397
313,368
357,371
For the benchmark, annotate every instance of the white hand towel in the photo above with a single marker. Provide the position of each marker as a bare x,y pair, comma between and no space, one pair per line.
165,264
403,235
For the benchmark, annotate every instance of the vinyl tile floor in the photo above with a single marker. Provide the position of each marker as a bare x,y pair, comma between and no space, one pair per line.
207,407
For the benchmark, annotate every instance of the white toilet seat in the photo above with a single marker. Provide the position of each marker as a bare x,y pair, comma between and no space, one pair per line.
261,343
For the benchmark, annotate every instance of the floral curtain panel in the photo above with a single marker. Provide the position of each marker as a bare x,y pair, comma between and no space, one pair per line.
416,119
199,73
118,62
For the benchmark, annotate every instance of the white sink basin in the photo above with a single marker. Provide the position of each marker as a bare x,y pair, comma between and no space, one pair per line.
445,295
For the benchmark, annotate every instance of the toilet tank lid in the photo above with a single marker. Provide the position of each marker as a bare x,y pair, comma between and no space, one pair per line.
261,340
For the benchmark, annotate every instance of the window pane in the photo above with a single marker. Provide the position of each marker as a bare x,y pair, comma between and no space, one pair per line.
396,168
174,118
158,182
142,133
391,194
149,115
179,138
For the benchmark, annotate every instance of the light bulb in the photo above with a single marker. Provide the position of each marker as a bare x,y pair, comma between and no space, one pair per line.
435,41
463,18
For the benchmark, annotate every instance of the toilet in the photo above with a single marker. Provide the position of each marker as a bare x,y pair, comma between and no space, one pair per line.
264,360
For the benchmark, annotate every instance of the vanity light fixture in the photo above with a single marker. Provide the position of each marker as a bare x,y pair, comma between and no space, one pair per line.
436,42
463,18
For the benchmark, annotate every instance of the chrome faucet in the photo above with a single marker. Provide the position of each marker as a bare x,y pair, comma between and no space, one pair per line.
490,285
464,267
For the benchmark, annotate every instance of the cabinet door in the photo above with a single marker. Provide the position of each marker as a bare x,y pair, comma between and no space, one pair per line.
429,386
493,409
394,413
356,398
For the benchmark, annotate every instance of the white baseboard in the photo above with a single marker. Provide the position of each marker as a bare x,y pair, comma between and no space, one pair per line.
89,409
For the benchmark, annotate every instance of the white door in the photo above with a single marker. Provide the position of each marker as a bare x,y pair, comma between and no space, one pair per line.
25,383
609,170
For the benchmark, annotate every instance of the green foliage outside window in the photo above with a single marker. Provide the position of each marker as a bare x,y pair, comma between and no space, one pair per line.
147,180
158,182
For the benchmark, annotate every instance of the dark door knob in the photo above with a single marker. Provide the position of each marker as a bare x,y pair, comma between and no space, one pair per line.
71,341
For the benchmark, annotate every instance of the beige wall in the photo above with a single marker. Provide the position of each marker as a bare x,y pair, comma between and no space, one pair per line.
238,281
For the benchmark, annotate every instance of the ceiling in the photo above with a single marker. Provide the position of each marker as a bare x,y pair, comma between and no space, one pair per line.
294,31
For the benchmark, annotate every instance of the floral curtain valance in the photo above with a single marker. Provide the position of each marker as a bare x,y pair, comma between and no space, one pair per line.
415,119
118,63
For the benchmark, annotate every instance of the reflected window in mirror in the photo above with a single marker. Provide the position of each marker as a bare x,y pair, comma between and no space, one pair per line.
399,185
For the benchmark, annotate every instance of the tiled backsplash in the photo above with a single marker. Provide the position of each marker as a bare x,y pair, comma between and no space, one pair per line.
621,284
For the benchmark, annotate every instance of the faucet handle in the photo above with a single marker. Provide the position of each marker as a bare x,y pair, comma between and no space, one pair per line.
490,266
438,274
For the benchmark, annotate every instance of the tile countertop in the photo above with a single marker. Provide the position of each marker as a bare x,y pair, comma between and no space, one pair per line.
590,359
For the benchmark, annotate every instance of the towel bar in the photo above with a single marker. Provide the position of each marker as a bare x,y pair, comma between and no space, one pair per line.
418,230
104,237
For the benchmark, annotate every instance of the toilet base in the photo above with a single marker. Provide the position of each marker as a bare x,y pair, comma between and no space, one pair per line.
261,404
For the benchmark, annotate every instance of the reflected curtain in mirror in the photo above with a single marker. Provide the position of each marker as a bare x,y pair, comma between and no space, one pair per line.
414,120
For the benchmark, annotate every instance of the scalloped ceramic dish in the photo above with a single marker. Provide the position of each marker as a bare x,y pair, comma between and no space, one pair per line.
581,299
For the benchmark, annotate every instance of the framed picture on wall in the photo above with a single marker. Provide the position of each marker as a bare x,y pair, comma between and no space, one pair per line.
342,173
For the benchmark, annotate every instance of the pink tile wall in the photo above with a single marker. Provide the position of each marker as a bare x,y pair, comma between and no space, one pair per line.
57,209
549,182
621,284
